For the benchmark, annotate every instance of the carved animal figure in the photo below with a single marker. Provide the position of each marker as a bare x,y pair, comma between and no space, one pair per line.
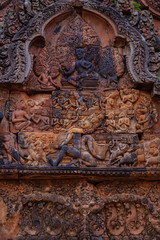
130,159
152,161
86,125
122,148
91,146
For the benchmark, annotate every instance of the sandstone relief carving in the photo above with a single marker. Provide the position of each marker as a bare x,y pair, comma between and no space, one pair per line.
79,120
51,210
28,113
80,93
86,130
4,111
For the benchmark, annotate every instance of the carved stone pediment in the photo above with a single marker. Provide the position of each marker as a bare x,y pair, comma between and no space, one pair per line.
79,120
113,31
79,98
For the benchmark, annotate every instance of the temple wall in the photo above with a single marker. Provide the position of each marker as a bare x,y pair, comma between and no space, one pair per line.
79,120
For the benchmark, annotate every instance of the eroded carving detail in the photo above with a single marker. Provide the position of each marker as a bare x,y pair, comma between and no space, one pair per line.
75,102
86,102
86,212
83,129
120,23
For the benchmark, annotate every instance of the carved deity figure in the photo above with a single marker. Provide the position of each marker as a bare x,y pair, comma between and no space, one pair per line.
43,120
21,119
35,152
89,152
152,152
80,101
119,63
36,148
70,120
85,126
45,72
123,122
46,80
110,122
84,68
144,118
111,100
129,97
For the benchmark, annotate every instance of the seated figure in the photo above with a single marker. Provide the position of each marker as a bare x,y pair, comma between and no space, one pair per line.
84,68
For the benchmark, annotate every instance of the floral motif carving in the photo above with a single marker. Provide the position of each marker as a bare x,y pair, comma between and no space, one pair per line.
79,120
86,212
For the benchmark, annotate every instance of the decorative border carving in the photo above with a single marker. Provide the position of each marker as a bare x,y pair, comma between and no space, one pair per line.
51,210
153,5
91,212
74,172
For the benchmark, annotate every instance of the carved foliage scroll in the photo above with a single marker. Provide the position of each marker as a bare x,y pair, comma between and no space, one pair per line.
85,212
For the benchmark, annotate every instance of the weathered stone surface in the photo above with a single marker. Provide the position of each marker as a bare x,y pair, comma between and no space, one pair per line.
4,111
79,210
79,108
75,102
